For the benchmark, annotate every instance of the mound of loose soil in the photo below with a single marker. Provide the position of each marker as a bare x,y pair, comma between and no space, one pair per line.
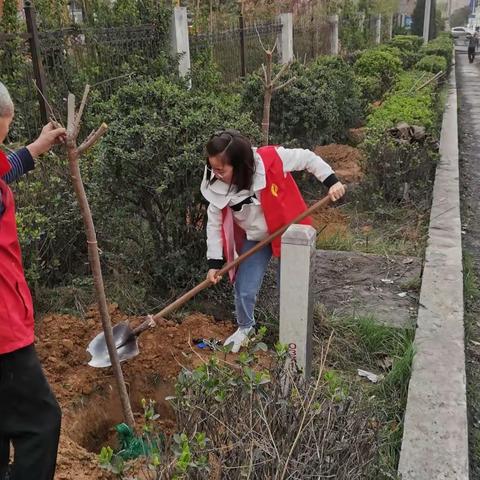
345,160
88,396
330,222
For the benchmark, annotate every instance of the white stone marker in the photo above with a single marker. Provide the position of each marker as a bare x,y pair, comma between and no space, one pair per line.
179,39
426,20
390,27
333,21
285,38
378,30
296,301
361,21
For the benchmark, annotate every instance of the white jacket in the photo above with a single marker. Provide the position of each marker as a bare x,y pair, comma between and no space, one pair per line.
251,218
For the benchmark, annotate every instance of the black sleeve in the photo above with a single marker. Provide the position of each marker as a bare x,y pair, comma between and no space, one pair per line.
330,180
215,263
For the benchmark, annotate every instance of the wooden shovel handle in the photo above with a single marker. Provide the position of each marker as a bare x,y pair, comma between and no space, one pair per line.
145,325
207,283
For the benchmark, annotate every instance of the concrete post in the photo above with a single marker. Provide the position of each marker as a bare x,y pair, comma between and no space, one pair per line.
285,38
426,21
333,21
390,27
449,14
35,51
361,21
179,39
296,303
378,29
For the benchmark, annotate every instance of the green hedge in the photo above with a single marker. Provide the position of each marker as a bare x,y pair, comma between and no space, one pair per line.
394,167
405,104
441,46
318,107
407,57
406,42
409,48
377,70
432,63
150,166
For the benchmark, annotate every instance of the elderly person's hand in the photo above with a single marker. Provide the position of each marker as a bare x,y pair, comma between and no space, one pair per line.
49,137
336,191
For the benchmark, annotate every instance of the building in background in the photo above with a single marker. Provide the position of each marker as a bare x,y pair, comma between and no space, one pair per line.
405,11
75,9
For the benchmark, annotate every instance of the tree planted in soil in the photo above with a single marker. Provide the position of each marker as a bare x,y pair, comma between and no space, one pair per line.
270,85
74,152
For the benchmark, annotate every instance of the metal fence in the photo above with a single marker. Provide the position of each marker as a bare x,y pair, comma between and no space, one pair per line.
102,57
311,37
17,73
57,62
68,59
239,51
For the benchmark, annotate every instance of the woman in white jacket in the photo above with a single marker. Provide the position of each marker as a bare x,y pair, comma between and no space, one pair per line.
251,193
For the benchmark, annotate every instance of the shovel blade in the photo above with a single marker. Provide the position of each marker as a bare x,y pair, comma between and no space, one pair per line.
122,334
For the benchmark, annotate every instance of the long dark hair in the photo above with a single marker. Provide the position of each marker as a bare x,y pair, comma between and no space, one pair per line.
236,150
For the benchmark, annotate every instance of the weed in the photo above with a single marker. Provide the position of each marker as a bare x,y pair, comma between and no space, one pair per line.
471,289
360,342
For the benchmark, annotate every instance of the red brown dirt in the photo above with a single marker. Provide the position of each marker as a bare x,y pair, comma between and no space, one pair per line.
88,396
344,159
330,222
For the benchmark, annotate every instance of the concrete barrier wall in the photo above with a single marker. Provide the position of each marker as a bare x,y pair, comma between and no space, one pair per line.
435,439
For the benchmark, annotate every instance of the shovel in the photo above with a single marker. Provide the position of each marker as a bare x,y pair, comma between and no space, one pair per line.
125,337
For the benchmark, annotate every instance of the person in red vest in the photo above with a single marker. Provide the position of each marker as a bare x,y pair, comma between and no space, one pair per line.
251,193
29,413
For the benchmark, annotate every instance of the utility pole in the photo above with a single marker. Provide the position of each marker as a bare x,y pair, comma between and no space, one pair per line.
426,21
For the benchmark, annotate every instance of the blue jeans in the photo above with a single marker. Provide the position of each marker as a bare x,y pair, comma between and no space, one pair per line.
248,281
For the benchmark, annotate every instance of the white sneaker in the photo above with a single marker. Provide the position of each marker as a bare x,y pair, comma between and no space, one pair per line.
239,338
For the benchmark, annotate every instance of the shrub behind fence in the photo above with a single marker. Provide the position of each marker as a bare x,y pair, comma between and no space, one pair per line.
226,48
70,58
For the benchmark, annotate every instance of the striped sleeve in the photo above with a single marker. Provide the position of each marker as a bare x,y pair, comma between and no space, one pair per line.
21,162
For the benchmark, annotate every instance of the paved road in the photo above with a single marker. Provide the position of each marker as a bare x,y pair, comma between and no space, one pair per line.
468,86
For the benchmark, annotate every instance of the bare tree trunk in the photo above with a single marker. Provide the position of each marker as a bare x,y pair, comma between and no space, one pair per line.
197,16
73,153
270,87
267,98
211,17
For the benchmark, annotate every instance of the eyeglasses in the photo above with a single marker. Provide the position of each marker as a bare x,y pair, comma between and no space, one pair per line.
215,172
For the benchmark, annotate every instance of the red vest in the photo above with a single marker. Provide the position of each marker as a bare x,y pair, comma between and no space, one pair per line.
281,202
16,307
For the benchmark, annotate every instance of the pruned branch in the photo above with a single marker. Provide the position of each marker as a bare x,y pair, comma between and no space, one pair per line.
265,77
108,80
274,46
90,135
92,139
284,84
71,117
260,39
284,68
435,77
52,114
78,117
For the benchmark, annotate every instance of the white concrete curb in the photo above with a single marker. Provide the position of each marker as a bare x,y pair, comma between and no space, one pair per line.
435,438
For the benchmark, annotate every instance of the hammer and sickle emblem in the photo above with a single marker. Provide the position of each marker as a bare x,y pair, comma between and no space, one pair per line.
274,189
